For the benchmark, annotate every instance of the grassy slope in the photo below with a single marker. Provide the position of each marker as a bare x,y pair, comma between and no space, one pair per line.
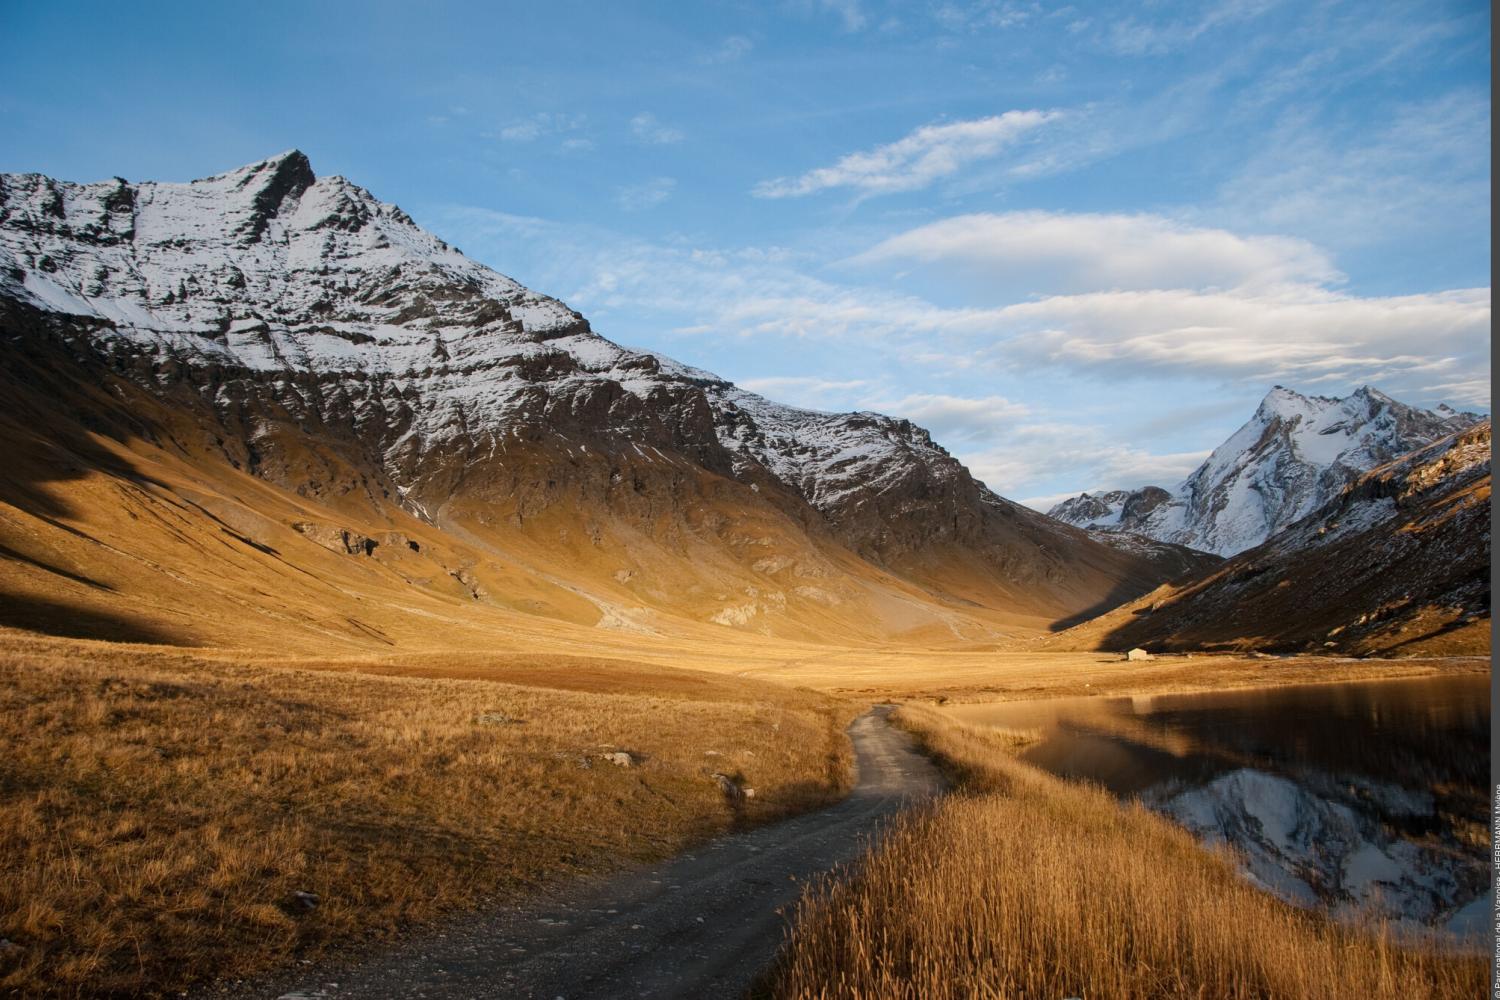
123,516
1023,885
159,809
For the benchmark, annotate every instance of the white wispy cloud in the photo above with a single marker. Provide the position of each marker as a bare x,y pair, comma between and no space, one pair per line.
1138,36
916,161
528,131
538,126
1045,451
976,15
849,12
1424,348
732,49
806,390
646,128
956,417
648,194
1141,295
1049,251
1301,335
1413,345
1425,171
444,117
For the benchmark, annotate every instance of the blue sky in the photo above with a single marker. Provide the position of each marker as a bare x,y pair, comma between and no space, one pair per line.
1079,242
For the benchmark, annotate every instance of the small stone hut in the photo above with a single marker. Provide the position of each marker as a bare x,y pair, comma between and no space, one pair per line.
1138,654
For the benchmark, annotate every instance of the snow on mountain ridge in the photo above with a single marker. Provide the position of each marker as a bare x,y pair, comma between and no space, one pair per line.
270,269
1293,456
153,257
824,456
1397,563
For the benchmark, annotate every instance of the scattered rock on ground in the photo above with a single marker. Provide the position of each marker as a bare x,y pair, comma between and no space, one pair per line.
730,787
499,719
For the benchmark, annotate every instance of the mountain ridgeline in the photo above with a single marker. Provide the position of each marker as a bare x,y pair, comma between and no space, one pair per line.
1398,563
1296,454
265,404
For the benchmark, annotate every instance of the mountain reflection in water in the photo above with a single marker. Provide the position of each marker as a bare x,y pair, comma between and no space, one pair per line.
1362,797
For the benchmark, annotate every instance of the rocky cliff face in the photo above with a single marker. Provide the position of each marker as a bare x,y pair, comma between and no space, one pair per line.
328,345
1294,455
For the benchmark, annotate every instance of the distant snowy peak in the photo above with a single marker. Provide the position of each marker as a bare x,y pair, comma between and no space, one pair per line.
1359,431
1398,563
1293,456
1123,510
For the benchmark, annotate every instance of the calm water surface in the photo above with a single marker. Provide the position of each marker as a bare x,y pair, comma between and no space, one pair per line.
1360,796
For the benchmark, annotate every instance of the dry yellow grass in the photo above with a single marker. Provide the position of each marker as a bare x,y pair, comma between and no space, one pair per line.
158,806
964,676
159,811
1022,885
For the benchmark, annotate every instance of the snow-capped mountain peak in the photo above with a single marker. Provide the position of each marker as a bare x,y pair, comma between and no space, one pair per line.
296,305
1295,454
269,242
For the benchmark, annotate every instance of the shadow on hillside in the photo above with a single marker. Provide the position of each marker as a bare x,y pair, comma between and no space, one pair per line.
1122,592
58,407
72,622
6,552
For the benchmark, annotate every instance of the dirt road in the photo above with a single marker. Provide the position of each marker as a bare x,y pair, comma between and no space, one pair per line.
702,925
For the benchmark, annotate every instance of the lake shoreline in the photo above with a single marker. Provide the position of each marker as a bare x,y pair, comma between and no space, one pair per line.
1159,677
1344,794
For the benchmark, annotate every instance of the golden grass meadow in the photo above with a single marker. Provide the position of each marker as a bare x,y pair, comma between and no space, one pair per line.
831,532
164,816
173,815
